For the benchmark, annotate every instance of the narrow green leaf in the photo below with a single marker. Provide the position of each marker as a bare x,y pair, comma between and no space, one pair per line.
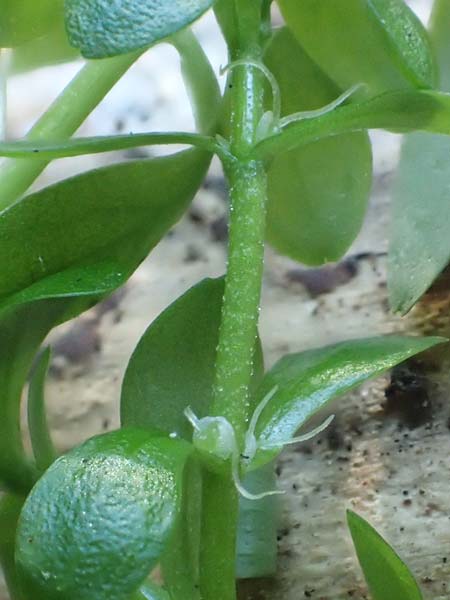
419,245
257,527
307,381
312,218
22,330
43,449
401,111
377,42
106,535
386,574
25,20
102,29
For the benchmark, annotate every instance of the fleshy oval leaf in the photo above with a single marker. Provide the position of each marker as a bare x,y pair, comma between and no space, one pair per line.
379,42
314,218
306,382
386,574
100,28
97,522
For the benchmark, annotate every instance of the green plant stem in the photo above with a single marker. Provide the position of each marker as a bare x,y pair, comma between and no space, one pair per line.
62,119
238,331
200,80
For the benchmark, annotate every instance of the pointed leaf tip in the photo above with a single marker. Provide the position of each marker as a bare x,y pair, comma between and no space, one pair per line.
386,574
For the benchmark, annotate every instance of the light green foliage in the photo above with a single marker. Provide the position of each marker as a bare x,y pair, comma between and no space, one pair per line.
307,381
101,517
386,574
173,364
117,498
99,28
380,43
24,20
419,241
317,196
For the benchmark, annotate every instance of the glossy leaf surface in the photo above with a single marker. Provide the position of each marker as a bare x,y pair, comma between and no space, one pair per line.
419,241
116,497
99,28
313,217
173,364
24,20
386,574
116,213
307,381
379,42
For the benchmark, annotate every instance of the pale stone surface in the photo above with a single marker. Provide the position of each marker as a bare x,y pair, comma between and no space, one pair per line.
368,461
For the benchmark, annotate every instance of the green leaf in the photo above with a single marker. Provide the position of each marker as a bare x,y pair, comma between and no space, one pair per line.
377,42
386,574
401,111
54,276
117,213
102,29
307,381
10,507
257,527
312,218
41,442
22,329
173,366
419,246
49,49
106,534
25,20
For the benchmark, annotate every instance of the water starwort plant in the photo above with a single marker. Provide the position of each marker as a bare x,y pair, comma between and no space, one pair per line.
187,483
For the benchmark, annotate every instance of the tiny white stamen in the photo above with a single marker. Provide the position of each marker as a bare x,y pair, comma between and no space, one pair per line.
310,114
250,439
241,489
276,93
301,438
192,418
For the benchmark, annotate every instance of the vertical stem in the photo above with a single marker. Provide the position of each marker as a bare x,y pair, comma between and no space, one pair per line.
240,312
238,332
62,119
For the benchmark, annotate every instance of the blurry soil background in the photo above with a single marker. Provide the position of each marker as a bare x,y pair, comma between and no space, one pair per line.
387,453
